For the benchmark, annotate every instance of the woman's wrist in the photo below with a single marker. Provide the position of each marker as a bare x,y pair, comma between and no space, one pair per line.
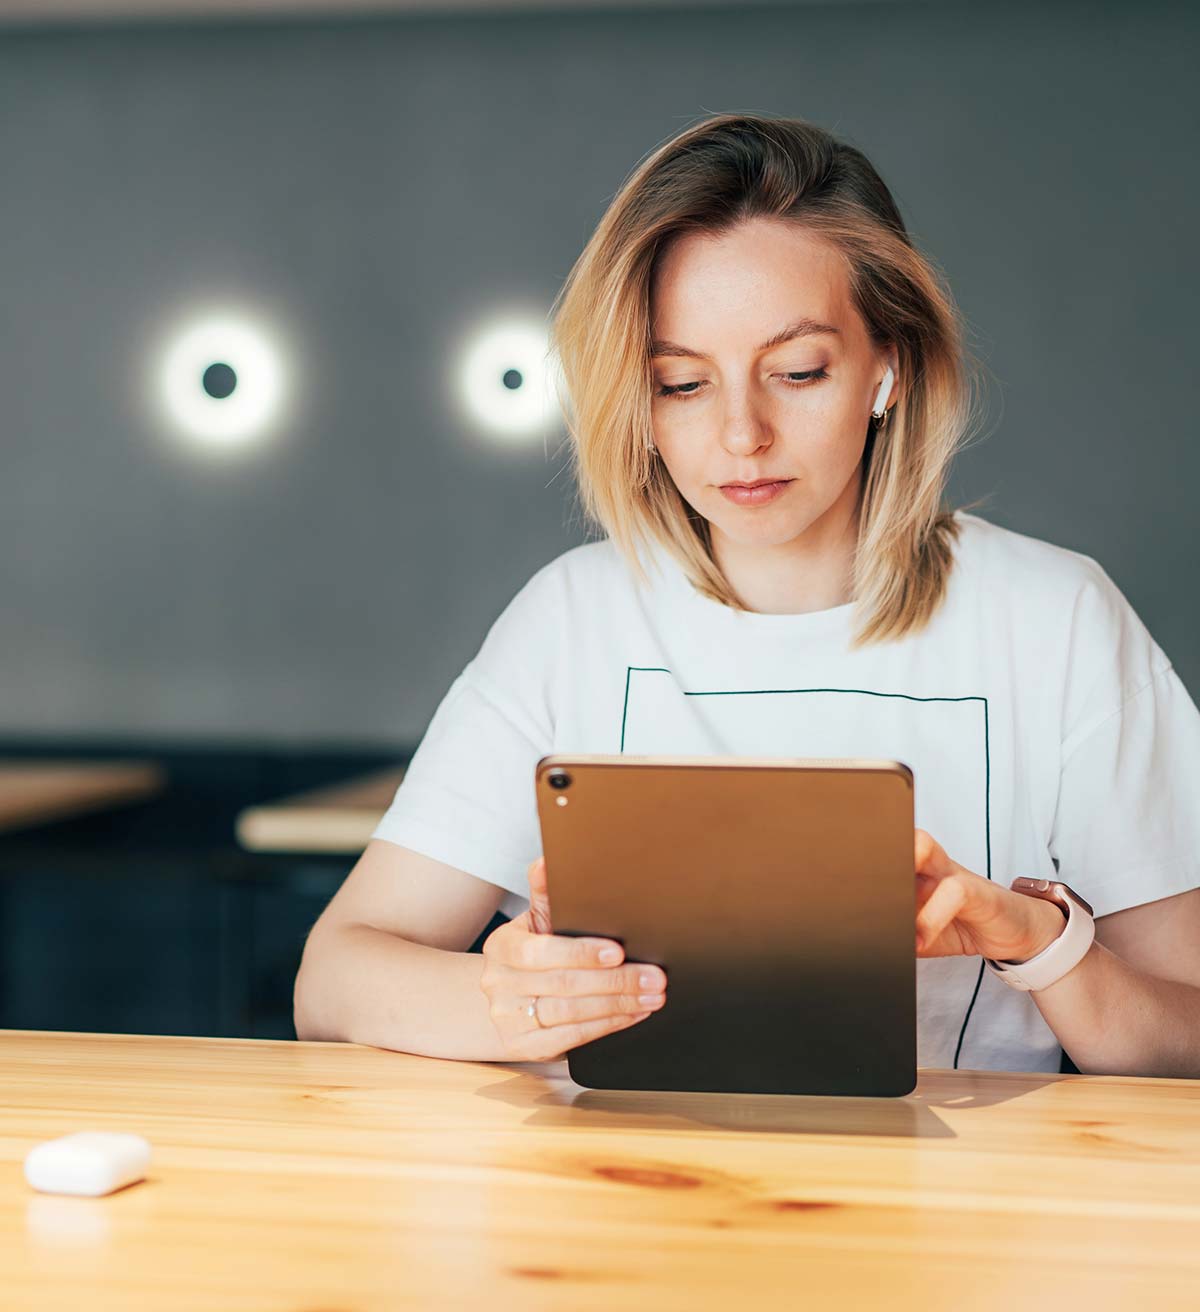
361,984
1046,923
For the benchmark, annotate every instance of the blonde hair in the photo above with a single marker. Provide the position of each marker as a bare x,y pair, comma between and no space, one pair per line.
707,179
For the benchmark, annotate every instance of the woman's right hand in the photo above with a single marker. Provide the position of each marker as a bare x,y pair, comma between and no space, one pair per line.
577,996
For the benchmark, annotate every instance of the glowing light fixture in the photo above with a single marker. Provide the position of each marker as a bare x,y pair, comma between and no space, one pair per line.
509,381
221,380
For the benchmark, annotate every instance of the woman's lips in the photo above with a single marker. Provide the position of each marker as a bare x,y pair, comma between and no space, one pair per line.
754,496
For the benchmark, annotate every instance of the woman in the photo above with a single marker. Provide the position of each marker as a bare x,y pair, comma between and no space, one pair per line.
750,310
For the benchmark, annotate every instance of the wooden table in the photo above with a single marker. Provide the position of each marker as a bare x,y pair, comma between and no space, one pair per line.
336,819
322,1176
34,791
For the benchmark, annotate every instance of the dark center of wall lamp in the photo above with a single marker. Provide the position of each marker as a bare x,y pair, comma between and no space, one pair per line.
219,381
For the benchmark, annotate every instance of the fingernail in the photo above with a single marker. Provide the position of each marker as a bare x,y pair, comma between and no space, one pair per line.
610,954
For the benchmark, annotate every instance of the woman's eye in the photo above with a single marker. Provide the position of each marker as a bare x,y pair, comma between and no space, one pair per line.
796,378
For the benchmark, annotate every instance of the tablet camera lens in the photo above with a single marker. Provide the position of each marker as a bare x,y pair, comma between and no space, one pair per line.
559,779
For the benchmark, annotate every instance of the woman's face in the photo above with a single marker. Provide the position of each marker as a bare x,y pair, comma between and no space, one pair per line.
748,410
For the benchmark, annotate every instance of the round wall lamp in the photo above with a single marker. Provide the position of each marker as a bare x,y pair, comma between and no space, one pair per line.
221,380
508,380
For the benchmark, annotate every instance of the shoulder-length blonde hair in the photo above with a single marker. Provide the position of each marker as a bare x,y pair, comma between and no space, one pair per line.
708,178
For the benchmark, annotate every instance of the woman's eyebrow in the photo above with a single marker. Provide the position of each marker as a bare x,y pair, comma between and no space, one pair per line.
801,328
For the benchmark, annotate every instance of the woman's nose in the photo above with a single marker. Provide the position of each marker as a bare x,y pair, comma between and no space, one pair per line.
744,434
745,427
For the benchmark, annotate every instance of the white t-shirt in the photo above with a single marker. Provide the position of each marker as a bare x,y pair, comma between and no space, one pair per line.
1043,723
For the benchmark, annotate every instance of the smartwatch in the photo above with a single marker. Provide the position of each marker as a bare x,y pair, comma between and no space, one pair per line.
1067,950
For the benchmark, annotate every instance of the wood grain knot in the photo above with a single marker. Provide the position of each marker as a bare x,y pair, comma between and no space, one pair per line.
801,1205
650,1178
537,1272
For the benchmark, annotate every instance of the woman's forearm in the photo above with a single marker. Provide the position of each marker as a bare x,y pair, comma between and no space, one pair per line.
1114,1019
357,984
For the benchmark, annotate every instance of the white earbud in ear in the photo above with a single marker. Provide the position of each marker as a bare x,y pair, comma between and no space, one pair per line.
884,390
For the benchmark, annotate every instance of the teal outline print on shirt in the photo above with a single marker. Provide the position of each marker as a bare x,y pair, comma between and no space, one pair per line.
864,692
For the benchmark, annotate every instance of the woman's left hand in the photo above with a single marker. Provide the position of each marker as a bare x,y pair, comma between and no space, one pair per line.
960,913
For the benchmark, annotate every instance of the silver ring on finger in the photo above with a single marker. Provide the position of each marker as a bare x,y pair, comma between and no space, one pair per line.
531,1010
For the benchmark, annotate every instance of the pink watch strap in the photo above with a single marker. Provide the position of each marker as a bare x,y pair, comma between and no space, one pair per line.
1061,956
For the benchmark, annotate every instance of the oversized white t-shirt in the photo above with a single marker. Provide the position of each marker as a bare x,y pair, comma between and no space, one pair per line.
1045,727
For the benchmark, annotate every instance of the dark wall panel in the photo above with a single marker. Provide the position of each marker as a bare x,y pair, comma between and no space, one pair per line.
378,187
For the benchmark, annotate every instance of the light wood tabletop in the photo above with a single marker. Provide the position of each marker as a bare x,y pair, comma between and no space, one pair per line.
340,818
330,1176
34,791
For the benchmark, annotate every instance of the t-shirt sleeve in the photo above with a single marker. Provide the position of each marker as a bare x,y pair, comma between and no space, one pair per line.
467,797
1127,823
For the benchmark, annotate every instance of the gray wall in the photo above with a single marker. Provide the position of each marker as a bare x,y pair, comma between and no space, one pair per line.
377,186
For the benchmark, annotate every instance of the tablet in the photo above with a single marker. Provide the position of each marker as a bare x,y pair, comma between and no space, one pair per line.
777,893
